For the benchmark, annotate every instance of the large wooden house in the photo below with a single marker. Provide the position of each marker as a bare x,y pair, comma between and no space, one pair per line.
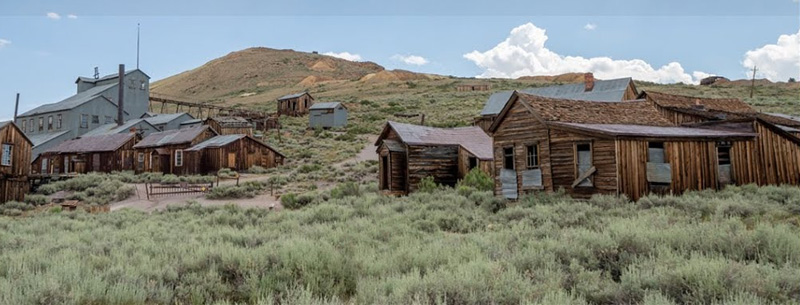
408,153
100,153
295,104
238,152
164,151
610,91
15,162
230,125
630,148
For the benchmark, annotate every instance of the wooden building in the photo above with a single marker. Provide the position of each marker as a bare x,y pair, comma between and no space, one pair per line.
237,152
295,104
630,148
408,153
230,125
774,156
473,87
611,91
100,153
327,115
164,151
15,162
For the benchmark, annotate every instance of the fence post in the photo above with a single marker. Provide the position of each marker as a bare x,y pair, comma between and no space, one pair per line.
147,190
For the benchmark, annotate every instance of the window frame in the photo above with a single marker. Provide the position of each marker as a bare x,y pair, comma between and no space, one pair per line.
179,158
577,160
24,125
59,120
507,155
10,155
41,123
537,159
84,121
49,122
95,119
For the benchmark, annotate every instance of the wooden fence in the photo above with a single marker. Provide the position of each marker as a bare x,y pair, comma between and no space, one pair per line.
158,189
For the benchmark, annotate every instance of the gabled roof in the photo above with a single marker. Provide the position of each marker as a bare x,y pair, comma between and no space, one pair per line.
99,143
625,130
41,138
107,77
14,125
72,101
192,121
113,128
472,138
231,121
781,119
612,90
394,146
220,141
293,95
326,105
172,137
165,118
672,101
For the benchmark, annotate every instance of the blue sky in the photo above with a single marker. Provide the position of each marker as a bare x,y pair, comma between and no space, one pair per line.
41,55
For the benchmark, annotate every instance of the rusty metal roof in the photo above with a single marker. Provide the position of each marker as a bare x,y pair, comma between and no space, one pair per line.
172,137
472,138
587,112
294,95
656,131
98,143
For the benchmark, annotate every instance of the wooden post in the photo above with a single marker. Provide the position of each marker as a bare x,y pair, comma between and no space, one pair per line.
422,120
16,108
120,102
753,82
162,106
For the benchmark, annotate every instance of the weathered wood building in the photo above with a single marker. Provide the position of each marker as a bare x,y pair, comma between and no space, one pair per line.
15,162
473,87
586,148
327,115
164,151
238,152
230,125
295,104
613,90
408,153
100,153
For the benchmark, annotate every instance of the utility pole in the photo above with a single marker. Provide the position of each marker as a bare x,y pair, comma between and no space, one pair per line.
753,82
137,46
16,107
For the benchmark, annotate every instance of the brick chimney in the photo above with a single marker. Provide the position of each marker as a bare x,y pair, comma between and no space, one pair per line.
588,80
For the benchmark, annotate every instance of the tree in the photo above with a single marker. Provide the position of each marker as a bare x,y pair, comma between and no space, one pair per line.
792,80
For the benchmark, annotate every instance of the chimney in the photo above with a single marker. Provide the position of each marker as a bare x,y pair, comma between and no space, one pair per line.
588,80
16,108
120,102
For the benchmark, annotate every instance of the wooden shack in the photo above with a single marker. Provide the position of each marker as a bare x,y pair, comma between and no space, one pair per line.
15,162
230,125
295,104
774,156
408,153
237,152
164,151
587,148
473,87
100,153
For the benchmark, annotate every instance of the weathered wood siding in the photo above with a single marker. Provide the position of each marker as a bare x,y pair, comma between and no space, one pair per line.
679,118
563,159
439,162
14,178
222,129
463,164
397,171
301,103
240,155
484,122
770,159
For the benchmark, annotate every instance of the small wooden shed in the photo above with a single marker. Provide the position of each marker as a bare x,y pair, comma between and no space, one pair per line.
237,152
327,115
15,162
408,153
296,104
164,151
230,125
100,153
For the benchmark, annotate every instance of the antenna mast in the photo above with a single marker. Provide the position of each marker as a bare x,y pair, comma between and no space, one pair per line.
137,46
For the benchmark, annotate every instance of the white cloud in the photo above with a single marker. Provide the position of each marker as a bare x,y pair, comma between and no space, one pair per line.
524,53
54,16
344,55
776,62
411,59
72,16
4,43
590,26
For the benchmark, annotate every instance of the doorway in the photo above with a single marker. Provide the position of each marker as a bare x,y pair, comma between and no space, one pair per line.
385,171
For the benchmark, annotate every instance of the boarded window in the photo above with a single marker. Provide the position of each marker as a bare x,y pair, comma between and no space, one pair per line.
179,157
58,121
659,172
532,156
508,158
655,152
8,150
584,162
84,121
724,163
50,122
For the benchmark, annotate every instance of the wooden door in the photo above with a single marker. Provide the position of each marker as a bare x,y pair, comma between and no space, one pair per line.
96,162
232,161
155,165
385,172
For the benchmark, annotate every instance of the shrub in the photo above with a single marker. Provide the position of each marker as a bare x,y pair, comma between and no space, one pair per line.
428,185
258,170
249,189
478,180
226,173
346,189
36,199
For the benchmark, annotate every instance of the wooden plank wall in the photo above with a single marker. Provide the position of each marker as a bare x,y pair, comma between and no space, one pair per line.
285,106
484,122
14,179
222,130
632,167
779,158
439,162
397,170
518,129
463,164
247,151
562,159
679,118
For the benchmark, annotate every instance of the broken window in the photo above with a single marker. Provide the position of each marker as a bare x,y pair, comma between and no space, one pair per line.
724,163
659,171
584,164
50,123
8,150
58,121
532,156
95,119
508,158
473,162
41,124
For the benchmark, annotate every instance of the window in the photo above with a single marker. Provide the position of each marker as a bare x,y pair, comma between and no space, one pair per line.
84,121
58,121
50,122
95,119
142,85
24,125
179,157
41,124
532,156
508,158
30,123
8,149
584,163
724,153
655,152
109,120
473,162
141,161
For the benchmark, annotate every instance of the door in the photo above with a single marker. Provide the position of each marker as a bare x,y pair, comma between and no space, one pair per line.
385,171
508,175
232,161
155,164
44,165
96,162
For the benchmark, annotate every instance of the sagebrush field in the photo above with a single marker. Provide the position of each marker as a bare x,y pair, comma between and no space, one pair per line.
443,246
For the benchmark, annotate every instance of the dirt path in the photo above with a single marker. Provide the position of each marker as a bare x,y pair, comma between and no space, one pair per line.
140,202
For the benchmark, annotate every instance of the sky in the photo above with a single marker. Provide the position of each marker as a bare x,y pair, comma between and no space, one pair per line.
46,44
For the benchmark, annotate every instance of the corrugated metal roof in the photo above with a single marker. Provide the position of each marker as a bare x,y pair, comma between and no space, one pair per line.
171,137
72,101
655,131
100,143
112,128
192,121
106,77
165,118
217,141
326,105
293,95
612,90
39,139
472,138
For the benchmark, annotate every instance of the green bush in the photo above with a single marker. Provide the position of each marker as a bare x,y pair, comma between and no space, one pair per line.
36,199
258,170
249,189
346,189
226,173
478,180
428,185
